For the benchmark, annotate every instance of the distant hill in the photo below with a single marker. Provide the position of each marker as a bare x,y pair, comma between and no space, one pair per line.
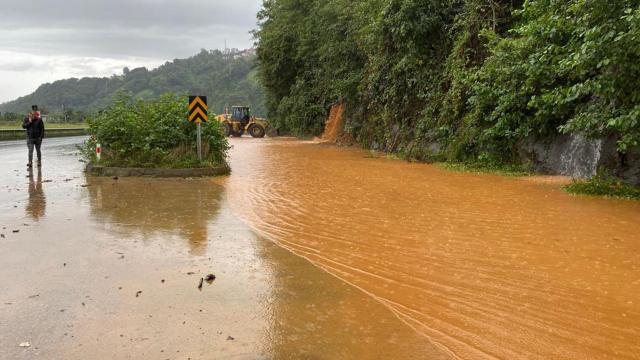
227,78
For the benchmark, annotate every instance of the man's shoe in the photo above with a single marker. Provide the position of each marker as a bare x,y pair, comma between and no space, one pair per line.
29,165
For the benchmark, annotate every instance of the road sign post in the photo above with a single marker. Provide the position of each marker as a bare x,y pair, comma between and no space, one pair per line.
198,113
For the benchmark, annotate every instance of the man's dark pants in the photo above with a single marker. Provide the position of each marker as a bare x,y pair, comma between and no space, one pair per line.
31,143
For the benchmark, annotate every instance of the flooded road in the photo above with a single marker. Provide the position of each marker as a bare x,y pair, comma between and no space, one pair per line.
109,269
319,253
484,266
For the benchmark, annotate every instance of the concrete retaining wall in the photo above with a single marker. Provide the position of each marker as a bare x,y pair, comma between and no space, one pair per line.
153,172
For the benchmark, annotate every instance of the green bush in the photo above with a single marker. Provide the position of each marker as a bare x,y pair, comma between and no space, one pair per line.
153,133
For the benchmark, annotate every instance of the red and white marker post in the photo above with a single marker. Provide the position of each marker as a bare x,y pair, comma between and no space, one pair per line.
98,151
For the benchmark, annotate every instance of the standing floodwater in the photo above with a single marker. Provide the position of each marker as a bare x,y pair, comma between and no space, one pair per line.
484,266
412,262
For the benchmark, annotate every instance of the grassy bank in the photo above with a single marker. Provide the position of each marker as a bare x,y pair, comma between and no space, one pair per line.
503,170
604,185
14,126
20,134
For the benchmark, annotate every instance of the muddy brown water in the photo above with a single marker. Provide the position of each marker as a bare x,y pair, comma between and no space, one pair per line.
319,253
483,266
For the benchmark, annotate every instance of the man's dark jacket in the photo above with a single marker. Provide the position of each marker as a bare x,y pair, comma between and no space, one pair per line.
35,128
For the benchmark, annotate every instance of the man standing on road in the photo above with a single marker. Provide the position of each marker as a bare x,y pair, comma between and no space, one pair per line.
35,132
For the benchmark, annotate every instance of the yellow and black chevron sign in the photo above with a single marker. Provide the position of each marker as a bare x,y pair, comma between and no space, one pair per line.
198,110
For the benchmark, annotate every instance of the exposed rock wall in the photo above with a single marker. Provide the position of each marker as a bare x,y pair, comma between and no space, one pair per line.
580,157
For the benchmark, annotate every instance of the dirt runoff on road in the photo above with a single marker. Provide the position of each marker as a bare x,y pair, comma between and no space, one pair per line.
334,125
484,266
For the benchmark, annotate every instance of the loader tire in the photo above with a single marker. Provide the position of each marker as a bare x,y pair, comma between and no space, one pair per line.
256,131
226,128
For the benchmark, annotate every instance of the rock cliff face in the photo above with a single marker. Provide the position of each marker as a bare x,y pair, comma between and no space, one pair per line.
580,157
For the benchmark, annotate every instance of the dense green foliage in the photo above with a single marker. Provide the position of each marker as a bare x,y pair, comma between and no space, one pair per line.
460,80
604,185
153,133
226,78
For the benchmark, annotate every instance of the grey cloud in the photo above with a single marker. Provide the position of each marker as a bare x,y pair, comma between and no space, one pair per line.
148,42
17,66
148,28
53,39
131,13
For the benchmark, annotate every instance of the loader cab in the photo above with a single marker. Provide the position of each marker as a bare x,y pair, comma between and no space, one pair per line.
240,113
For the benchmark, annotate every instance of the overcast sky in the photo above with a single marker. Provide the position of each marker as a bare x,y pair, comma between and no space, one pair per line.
47,40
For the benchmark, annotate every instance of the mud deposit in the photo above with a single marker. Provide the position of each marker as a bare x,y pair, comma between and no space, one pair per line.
483,266
110,268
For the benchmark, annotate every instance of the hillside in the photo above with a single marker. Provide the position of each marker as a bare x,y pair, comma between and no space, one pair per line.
227,79
496,82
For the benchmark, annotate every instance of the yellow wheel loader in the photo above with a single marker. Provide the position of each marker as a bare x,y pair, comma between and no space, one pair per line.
240,121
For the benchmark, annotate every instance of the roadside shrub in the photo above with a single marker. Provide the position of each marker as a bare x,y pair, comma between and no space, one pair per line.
152,133
604,184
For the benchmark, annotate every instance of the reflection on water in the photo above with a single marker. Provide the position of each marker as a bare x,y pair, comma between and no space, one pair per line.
37,202
147,207
484,266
